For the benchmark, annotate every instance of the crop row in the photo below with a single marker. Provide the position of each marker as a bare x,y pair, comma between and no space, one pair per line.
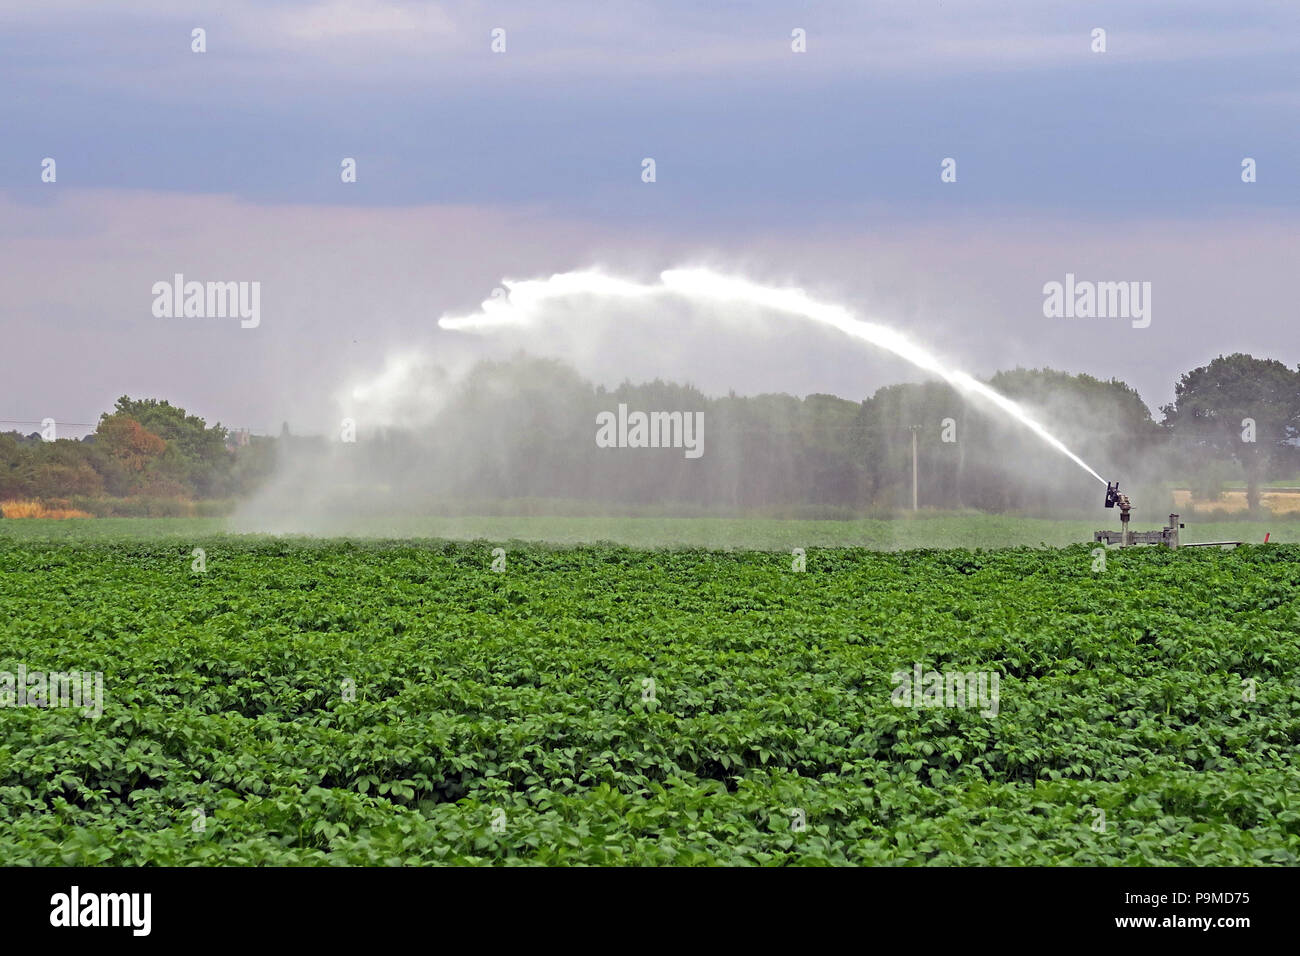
331,702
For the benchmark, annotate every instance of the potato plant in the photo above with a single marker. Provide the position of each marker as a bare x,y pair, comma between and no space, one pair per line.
403,703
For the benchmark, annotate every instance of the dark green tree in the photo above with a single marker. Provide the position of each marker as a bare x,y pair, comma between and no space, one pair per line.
1238,408
196,453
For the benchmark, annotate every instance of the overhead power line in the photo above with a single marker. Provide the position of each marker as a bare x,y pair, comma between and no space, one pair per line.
15,421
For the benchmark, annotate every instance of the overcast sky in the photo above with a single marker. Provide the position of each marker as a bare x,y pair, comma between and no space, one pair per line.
820,169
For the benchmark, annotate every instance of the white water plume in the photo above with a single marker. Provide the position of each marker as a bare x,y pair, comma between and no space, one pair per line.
524,302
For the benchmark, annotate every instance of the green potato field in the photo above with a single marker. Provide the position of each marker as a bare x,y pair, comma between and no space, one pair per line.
333,702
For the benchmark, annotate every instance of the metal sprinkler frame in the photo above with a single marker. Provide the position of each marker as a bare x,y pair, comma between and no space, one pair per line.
1125,538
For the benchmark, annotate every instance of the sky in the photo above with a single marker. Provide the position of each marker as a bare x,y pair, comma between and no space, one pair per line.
819,169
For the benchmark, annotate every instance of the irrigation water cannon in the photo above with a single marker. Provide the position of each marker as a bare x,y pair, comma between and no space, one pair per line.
1113,495
1124,538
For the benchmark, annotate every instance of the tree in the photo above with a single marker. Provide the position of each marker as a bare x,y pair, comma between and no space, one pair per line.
15,471
126,451
971,455
126,440
1239,408
196,454
60,469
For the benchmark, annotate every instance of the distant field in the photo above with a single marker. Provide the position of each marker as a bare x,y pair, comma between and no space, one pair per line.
926,531
1278,501
1278,483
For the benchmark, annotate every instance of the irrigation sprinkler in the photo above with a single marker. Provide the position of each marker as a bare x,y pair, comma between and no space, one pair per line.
1125,538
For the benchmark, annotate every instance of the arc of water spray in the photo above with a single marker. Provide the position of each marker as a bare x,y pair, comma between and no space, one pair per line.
526,298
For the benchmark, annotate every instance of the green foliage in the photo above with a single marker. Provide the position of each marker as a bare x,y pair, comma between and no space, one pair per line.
525,429
517,697
196,454
145,450
191,435
1212,403
925,530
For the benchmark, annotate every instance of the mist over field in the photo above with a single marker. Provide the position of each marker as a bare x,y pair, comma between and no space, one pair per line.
532,435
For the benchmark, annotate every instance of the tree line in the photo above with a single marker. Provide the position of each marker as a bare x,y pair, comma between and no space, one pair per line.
527,429
144,450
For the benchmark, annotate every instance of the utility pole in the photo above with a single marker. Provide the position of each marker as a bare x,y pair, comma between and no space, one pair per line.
915,428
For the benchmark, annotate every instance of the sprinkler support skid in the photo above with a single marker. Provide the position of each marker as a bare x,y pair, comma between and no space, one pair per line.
1124,538
1167,536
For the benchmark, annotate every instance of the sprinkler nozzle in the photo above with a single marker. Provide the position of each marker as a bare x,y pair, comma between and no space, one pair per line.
1112,494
